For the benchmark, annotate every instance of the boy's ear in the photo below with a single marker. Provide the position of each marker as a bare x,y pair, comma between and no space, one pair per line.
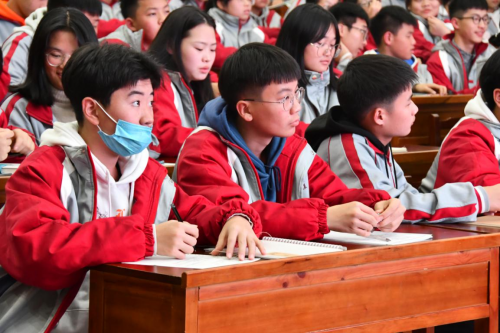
342,30
388,38
220,5
243,109
89,108
496,97
378,116
130,23
454,22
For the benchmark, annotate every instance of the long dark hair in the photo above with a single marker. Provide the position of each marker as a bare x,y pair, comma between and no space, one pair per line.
307,24
175,28
36,87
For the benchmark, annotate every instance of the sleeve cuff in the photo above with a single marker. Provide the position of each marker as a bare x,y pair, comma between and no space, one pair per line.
242,215
150,234
322,223
483,200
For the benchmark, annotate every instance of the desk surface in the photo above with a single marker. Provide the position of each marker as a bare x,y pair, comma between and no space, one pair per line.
363,289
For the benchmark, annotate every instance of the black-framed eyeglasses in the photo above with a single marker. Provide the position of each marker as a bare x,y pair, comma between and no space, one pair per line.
476,19
287,101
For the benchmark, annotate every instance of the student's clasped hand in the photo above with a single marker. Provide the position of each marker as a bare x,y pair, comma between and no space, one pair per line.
392,214
430,88
6,137
22,143
238,230
176,239
353,217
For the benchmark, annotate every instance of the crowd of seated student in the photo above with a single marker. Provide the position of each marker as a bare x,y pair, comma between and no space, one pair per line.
354,139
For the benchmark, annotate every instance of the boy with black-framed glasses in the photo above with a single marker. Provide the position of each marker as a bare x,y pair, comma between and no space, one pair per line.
457,60
245,149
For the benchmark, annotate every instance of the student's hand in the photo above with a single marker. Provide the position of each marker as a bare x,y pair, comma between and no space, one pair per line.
6,136
215,88
493,196
353,217
176,239
238,229
437,27
430,88
22,142
392,214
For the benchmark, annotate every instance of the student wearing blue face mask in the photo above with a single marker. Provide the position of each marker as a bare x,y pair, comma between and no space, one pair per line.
91,195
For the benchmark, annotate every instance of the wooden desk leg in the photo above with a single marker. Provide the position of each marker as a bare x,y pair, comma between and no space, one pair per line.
491,324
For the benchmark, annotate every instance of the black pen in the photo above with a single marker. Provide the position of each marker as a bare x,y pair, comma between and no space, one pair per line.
179,218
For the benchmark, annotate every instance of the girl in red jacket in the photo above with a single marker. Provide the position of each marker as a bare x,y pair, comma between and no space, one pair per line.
185,46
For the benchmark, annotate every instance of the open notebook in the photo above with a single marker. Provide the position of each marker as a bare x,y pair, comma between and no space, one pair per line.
278,248
377,238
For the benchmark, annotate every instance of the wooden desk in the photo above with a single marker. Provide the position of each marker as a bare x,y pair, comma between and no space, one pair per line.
386,289
445,106
416,162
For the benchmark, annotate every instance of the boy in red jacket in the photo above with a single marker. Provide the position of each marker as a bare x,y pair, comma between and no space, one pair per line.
245,149
91,195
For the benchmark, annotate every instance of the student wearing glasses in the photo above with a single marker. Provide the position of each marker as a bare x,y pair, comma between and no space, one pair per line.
40,100
245,149
353,29
310,34
458,59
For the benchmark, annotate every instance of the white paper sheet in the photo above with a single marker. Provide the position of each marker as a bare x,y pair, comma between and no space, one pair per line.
196,261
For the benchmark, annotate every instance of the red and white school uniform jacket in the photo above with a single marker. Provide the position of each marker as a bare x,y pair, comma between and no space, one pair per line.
362,161
268,18
15,52
111,11
212,166
123,35
64,213
175,114
447,66
471,150
22,113
420,69
232,35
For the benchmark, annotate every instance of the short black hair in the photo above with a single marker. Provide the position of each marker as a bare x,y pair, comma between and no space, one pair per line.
304,25
370,81
36,87
347,13
129,7
489,79
458,8
174,29
390,18
270,64
93,7
97,71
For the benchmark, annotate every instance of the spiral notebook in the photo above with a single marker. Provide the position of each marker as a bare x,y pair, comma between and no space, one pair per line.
277,248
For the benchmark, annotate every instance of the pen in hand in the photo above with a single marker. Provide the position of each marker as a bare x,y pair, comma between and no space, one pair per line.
176,213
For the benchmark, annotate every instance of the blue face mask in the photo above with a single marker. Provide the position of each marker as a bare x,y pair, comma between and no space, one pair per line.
128,139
